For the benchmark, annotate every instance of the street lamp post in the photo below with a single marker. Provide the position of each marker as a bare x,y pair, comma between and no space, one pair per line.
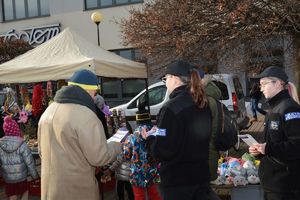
97,18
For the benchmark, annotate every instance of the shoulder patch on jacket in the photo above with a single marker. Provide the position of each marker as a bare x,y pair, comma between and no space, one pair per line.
292,115
274,125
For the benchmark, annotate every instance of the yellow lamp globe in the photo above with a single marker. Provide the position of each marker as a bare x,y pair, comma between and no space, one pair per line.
96,17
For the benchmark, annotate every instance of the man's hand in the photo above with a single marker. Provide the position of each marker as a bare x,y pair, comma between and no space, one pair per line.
261,148
144,133
257,149
253,151
107,172
105,179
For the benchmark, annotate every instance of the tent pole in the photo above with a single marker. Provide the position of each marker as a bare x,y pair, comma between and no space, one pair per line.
101,86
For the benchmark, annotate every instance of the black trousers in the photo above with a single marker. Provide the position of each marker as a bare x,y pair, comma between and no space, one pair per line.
191,192
121,186
281,196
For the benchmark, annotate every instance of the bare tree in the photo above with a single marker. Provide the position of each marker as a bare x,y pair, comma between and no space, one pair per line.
210,30
12,48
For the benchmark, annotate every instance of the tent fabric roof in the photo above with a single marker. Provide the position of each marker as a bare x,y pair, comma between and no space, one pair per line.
65,53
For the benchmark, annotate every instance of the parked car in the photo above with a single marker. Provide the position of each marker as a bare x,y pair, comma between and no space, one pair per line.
232,97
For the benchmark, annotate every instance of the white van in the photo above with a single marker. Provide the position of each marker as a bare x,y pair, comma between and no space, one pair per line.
232,97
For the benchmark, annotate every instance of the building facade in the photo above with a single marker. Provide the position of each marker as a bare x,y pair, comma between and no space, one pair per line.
39,20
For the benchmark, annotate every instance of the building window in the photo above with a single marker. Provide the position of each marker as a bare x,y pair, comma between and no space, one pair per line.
130,88
131,54
118,91
23,9
110,87
92,4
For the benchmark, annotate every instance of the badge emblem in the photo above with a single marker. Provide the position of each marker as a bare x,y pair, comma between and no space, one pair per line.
274,125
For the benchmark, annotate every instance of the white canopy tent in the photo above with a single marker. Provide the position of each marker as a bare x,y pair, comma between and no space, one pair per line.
65,53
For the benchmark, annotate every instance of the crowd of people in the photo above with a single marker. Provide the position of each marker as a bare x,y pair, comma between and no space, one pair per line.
175,159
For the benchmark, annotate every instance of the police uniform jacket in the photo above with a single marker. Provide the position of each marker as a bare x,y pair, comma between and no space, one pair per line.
279,169
183,151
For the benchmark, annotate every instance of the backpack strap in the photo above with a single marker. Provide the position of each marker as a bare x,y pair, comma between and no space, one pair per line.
220,111
222,117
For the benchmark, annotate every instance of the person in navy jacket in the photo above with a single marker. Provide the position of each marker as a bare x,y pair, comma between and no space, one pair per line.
279,168
182,145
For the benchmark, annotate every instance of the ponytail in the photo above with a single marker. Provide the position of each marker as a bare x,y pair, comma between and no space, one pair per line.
293,91
197,89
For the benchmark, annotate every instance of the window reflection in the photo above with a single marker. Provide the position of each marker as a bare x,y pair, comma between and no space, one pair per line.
8,8
22,9
89,4
32,8
44,7
111,87
132,87
121,1
106,3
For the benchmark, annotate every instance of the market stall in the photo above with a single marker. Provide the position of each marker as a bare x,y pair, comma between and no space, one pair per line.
61,56
58,59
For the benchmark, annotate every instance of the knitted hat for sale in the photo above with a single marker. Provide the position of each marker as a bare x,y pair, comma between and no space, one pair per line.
84,79
11,127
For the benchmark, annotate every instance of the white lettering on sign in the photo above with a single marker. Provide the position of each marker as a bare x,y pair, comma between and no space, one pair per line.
34,35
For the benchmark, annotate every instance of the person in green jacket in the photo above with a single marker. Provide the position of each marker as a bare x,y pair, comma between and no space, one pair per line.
213,93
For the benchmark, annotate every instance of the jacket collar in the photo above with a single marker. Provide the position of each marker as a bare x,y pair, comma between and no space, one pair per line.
75,94
179,90
283,94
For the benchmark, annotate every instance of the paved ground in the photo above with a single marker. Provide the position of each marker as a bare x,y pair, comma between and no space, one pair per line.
255,130
110,195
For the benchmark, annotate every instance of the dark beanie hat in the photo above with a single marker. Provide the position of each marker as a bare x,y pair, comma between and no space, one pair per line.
274,71
85,79
179,68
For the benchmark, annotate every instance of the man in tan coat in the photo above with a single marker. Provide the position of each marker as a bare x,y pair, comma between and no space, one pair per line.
72,142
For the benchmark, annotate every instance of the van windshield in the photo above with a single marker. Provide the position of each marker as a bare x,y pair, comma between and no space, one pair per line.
156,96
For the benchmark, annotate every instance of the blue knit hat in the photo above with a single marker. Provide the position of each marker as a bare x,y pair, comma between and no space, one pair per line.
85,79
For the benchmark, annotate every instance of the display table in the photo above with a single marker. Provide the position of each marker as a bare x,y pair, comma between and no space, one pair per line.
248,192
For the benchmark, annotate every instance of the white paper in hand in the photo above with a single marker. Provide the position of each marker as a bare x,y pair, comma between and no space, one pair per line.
157,132
119,136
248,139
